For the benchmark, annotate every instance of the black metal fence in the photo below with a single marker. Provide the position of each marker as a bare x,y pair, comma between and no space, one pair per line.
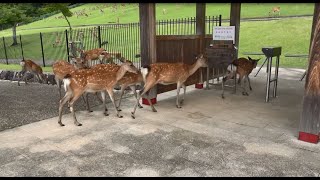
47,47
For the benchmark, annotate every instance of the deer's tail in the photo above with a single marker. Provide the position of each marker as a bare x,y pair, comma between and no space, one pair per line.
66,82
144,71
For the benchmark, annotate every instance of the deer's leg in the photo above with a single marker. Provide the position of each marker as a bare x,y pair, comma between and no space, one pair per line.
249,83
110,92
76,96
123,87
23,72
63,101
178,92
96,93
134,89
184,92
243,84
143,91
103,95
59,85
87,102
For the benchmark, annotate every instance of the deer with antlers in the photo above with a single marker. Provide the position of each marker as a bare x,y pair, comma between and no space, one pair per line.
30,66
90,56
99,78
168,73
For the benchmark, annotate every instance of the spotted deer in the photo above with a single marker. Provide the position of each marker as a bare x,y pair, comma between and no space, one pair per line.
168,73
91,56
99,78
275,11
29,66
243,67
128,80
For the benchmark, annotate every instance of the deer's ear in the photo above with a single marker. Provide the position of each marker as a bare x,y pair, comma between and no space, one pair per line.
249,58
122,59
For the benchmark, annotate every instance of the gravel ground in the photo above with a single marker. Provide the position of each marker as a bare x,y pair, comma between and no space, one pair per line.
20,105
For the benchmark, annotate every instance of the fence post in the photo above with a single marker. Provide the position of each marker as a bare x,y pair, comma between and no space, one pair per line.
220,19
21,47
44,64
5,50
99,36
67,45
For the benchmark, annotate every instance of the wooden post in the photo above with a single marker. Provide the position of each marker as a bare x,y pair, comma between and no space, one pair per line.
235,21
309,126
316,11
200,28
148,41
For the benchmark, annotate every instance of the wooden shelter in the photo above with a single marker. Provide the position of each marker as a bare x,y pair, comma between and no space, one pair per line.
181,48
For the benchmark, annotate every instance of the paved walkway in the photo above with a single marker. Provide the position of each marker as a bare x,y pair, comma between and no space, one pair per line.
208,136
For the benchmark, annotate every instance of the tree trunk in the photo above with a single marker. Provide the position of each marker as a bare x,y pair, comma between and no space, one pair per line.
14,36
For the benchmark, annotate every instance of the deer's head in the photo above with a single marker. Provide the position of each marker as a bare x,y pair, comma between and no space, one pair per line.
254,61
202,61
78,63
128,66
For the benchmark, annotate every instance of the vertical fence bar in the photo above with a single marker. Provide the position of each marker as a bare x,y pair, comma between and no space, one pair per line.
67,45
21,47
220,19
5,50
44,64
99,36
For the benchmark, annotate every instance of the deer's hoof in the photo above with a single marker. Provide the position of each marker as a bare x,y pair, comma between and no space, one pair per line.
140,106
154,110
119,110
79,124
106,114
250,89
90,111
222,96
61,124
178,106
245,94
120,116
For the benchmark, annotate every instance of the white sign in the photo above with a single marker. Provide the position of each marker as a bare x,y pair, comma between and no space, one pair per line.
224,33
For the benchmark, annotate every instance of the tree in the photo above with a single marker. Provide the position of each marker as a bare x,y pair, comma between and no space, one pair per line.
12,14
64,9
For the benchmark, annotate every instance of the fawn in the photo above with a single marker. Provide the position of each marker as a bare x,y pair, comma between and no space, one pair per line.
168,73
29,66
99,78
243,67
94,54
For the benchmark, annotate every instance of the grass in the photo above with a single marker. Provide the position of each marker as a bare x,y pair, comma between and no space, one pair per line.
292,34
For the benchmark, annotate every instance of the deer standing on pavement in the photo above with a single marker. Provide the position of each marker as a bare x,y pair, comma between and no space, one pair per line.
243,67
29,66
99,78
168,73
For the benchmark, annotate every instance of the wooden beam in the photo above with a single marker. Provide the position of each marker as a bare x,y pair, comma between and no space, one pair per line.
147,33
309,126
200,30
200,23
235,21
316,11
147,13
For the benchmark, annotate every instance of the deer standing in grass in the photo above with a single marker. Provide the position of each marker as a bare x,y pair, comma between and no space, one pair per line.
243,67
275,11
168,73
29,66
99,78
95,54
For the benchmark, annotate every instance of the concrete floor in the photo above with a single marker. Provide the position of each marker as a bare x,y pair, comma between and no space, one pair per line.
208,136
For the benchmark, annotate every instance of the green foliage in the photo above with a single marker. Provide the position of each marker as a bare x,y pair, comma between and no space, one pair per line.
14,13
